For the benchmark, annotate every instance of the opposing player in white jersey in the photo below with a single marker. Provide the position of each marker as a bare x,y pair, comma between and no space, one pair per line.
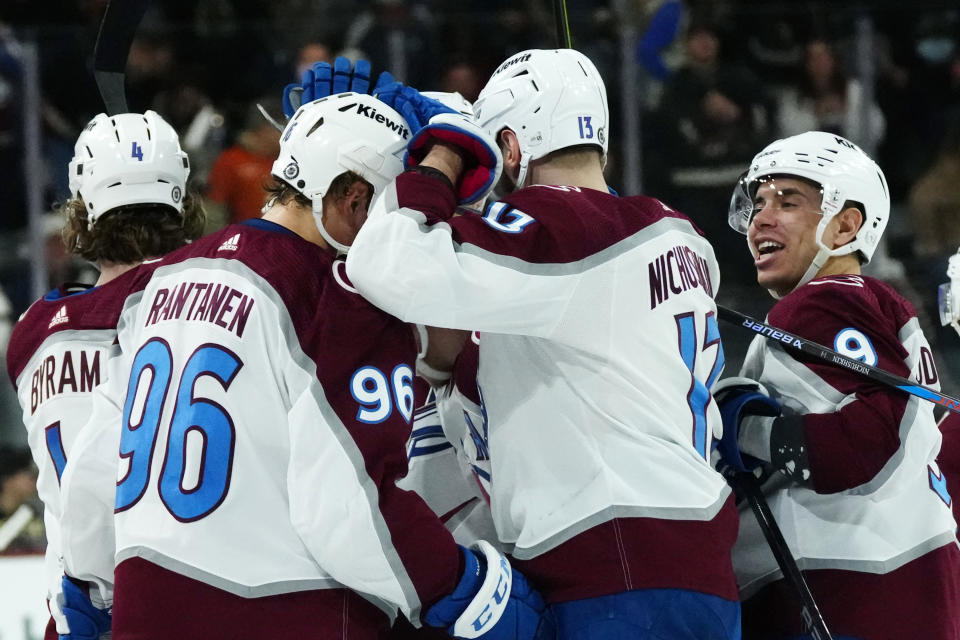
949,458
852,474
129,202
261,422
598,347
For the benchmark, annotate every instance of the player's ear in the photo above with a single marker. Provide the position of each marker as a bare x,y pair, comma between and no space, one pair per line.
510,147
355,200
848,223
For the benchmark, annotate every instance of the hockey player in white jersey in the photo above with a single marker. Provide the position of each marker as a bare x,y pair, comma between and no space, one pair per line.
261,425
949,458
851,472
129,202
598,347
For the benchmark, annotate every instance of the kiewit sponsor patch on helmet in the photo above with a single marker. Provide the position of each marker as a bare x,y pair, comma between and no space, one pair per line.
370,112
512,61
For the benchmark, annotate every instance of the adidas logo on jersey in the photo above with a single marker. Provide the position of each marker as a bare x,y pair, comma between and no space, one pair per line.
60,317
231,243
370,112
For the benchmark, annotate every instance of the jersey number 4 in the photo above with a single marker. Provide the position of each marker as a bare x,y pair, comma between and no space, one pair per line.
698,396
192,491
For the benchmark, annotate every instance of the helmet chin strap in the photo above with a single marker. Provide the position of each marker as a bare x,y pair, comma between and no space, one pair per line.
522,175
815,265
318,219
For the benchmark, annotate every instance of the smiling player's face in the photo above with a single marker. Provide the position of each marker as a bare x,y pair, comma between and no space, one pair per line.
782,233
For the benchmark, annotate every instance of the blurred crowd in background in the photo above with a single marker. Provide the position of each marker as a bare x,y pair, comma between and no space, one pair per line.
716,81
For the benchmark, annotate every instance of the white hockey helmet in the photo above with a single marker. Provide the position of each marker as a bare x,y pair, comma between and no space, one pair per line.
551,98
844,174
452,99
127,159
339,133
949,294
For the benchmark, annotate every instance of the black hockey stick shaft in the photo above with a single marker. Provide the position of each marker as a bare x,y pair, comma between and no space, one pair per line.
812,618
796,344
564,41
119,24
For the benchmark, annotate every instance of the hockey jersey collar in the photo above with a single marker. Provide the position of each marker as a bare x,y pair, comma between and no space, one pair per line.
267,225
68,289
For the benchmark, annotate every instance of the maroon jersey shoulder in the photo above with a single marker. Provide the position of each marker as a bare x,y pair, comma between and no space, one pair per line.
825,308
67,308
556,224
860,318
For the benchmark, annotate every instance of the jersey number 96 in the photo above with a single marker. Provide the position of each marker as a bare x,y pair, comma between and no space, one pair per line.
150,380
377,395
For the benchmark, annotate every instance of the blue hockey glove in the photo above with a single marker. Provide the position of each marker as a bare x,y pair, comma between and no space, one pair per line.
322,80
737,398
85,620
431,121
490,601
416,108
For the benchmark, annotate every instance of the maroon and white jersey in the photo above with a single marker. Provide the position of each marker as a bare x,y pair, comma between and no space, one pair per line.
464,420
260,413
448,464
949,458
598,347
873,527
57,356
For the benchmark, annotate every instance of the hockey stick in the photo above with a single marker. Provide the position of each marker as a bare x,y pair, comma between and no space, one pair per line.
564,40
747,482
812,618
120,20
796,344
16,523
